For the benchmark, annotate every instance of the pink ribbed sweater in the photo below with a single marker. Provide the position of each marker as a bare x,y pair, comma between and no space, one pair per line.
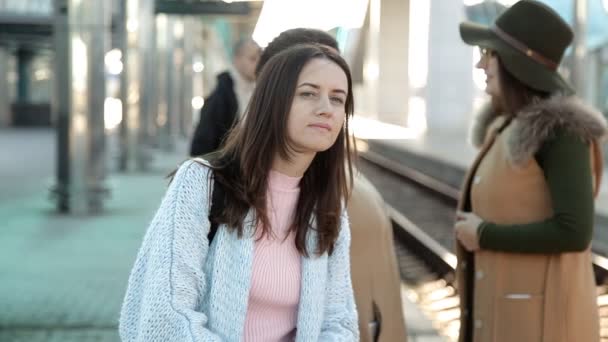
274,296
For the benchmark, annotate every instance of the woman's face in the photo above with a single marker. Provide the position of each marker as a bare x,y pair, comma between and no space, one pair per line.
489,63
318,109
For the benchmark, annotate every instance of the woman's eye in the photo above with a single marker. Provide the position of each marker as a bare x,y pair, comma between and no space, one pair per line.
307,94
337,100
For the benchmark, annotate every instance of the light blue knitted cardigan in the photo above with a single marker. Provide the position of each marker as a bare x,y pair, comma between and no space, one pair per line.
182,290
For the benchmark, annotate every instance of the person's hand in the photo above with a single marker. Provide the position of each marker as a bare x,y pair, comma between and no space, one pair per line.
466,230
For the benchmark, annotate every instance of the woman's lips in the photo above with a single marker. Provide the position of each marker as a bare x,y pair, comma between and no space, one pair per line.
321,126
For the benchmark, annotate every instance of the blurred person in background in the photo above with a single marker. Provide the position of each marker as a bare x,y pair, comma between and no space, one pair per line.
525,220
277,267
228,101
375,275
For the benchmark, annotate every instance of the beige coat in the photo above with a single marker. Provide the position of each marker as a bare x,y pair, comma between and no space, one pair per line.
374,270
526,297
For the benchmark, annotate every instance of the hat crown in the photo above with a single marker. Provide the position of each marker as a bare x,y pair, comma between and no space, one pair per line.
538,27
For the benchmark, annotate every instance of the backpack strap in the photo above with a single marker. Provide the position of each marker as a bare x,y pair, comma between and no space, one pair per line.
218,197
217,206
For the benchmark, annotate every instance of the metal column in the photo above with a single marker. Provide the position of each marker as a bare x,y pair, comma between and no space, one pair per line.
24,75
81,37
167,120
162,81
129,123
137,23
146,90
188,72
5,108
176,110
197,77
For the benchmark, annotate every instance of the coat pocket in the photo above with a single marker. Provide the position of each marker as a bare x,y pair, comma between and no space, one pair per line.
519,317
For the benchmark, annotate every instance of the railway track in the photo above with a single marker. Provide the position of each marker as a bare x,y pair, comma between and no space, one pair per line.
422,211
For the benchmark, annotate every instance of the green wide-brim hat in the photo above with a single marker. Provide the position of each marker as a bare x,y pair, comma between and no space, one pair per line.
530,38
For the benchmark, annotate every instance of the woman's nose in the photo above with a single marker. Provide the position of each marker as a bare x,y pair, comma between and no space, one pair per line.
324,107
481,64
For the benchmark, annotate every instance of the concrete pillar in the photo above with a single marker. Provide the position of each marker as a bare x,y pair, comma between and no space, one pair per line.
602,79
449,89
579,64
81,37
5,106
393,88
368,96
385,68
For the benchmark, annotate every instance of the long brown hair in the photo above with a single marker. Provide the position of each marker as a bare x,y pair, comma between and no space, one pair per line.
243,164
515,94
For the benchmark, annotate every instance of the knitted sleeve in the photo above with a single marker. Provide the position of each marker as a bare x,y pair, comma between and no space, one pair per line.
340,322
163,297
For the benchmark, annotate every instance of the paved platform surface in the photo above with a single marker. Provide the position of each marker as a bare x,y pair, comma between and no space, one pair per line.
64,277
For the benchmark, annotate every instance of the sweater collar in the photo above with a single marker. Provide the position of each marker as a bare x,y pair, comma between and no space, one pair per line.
283,182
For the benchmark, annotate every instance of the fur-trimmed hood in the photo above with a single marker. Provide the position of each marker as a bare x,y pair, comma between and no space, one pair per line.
537,122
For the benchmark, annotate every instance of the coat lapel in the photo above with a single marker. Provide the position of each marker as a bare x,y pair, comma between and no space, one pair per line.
466,260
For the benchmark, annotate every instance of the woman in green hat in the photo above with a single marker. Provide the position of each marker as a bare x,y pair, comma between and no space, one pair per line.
525,219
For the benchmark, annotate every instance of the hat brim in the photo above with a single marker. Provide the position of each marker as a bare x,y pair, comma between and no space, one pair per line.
525,69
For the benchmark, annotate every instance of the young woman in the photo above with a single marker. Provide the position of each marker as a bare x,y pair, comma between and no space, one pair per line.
526,217
278,267
374,272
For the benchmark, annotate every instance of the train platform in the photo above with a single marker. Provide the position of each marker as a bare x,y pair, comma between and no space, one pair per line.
64,277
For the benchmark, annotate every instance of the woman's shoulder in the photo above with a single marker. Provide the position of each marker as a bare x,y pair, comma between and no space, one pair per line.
565,118
201,161
192,171
569,115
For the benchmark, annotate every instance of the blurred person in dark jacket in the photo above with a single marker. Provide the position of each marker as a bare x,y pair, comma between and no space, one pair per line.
228,101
